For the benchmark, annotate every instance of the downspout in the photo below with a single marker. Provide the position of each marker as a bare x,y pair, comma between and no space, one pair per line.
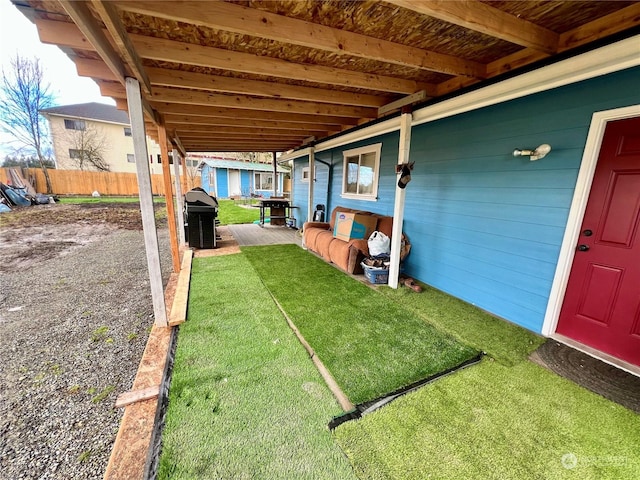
179,202
398,209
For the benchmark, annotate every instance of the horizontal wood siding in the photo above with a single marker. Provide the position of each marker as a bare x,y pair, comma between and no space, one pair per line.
485,226
300,193
79,182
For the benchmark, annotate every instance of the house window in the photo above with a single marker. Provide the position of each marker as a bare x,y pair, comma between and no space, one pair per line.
360,172
75,153
74,124
263,181
159,158
131,158
127,131
305,175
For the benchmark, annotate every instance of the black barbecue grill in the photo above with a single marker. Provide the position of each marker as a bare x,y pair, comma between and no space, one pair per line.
200,212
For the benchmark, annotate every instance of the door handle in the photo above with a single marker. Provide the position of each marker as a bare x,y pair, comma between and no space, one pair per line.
583,248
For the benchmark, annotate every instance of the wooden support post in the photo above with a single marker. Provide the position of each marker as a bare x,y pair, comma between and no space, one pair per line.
312,176
179,202
398,209
136,117
168,196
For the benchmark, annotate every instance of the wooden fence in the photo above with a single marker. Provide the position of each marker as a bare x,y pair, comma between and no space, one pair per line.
79,182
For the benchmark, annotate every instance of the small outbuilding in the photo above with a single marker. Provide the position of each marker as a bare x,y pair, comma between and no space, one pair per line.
228,178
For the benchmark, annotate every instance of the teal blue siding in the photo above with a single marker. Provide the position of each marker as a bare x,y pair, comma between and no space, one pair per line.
485,226
223,183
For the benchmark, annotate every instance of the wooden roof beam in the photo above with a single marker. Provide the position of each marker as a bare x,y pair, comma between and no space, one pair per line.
257,23
204,111
179,52
68,35
193,97
486,19
109,16
177,143
163,77
95,36
247,123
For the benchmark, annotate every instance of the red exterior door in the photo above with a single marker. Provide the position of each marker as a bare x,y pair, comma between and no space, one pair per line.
602,304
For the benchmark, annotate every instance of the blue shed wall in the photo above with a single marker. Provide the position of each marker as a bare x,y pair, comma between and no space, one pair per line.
245,182
485,226
223,182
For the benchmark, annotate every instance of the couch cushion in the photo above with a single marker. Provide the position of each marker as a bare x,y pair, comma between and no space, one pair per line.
310,237
324,242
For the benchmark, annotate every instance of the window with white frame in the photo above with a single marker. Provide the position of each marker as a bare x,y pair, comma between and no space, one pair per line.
361,170
263,181
305,175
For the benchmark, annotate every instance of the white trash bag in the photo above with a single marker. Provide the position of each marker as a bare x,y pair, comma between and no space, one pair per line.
379,244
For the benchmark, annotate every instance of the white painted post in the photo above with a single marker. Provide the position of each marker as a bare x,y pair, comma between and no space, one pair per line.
179,203
136,117
398,209
275,175
312,177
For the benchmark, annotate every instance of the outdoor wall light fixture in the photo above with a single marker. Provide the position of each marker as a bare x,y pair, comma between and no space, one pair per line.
536,154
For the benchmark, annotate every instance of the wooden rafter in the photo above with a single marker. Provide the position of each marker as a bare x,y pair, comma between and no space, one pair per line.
486,19
249,21
109,16
96,37
191,97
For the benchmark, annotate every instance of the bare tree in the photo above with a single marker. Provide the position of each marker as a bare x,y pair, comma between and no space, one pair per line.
24,94
87,146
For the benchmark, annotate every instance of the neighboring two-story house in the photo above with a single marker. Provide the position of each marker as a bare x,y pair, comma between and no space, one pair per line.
95,136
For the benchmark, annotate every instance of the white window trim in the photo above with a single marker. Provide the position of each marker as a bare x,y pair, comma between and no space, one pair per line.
305,175
374,148
262,173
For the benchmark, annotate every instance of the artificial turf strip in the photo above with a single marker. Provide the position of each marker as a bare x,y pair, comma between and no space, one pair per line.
491,421
504,341
245,400
370,345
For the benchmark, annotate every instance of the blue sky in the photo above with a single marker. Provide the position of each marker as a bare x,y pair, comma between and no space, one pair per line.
18,34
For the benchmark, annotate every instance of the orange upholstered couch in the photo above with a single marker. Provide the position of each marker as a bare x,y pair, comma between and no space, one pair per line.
318,237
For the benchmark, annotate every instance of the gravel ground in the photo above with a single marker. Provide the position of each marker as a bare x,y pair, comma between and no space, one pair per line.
75,312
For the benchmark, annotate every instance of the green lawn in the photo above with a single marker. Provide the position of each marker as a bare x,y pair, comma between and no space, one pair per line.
504,341
245,400
231,213
493,421
370,345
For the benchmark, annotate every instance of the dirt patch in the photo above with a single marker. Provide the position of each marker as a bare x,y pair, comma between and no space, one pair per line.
42,232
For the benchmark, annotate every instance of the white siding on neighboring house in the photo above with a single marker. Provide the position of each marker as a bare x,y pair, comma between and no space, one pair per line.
116,138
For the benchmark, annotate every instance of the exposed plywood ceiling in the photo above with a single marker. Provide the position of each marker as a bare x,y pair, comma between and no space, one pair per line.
271,75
